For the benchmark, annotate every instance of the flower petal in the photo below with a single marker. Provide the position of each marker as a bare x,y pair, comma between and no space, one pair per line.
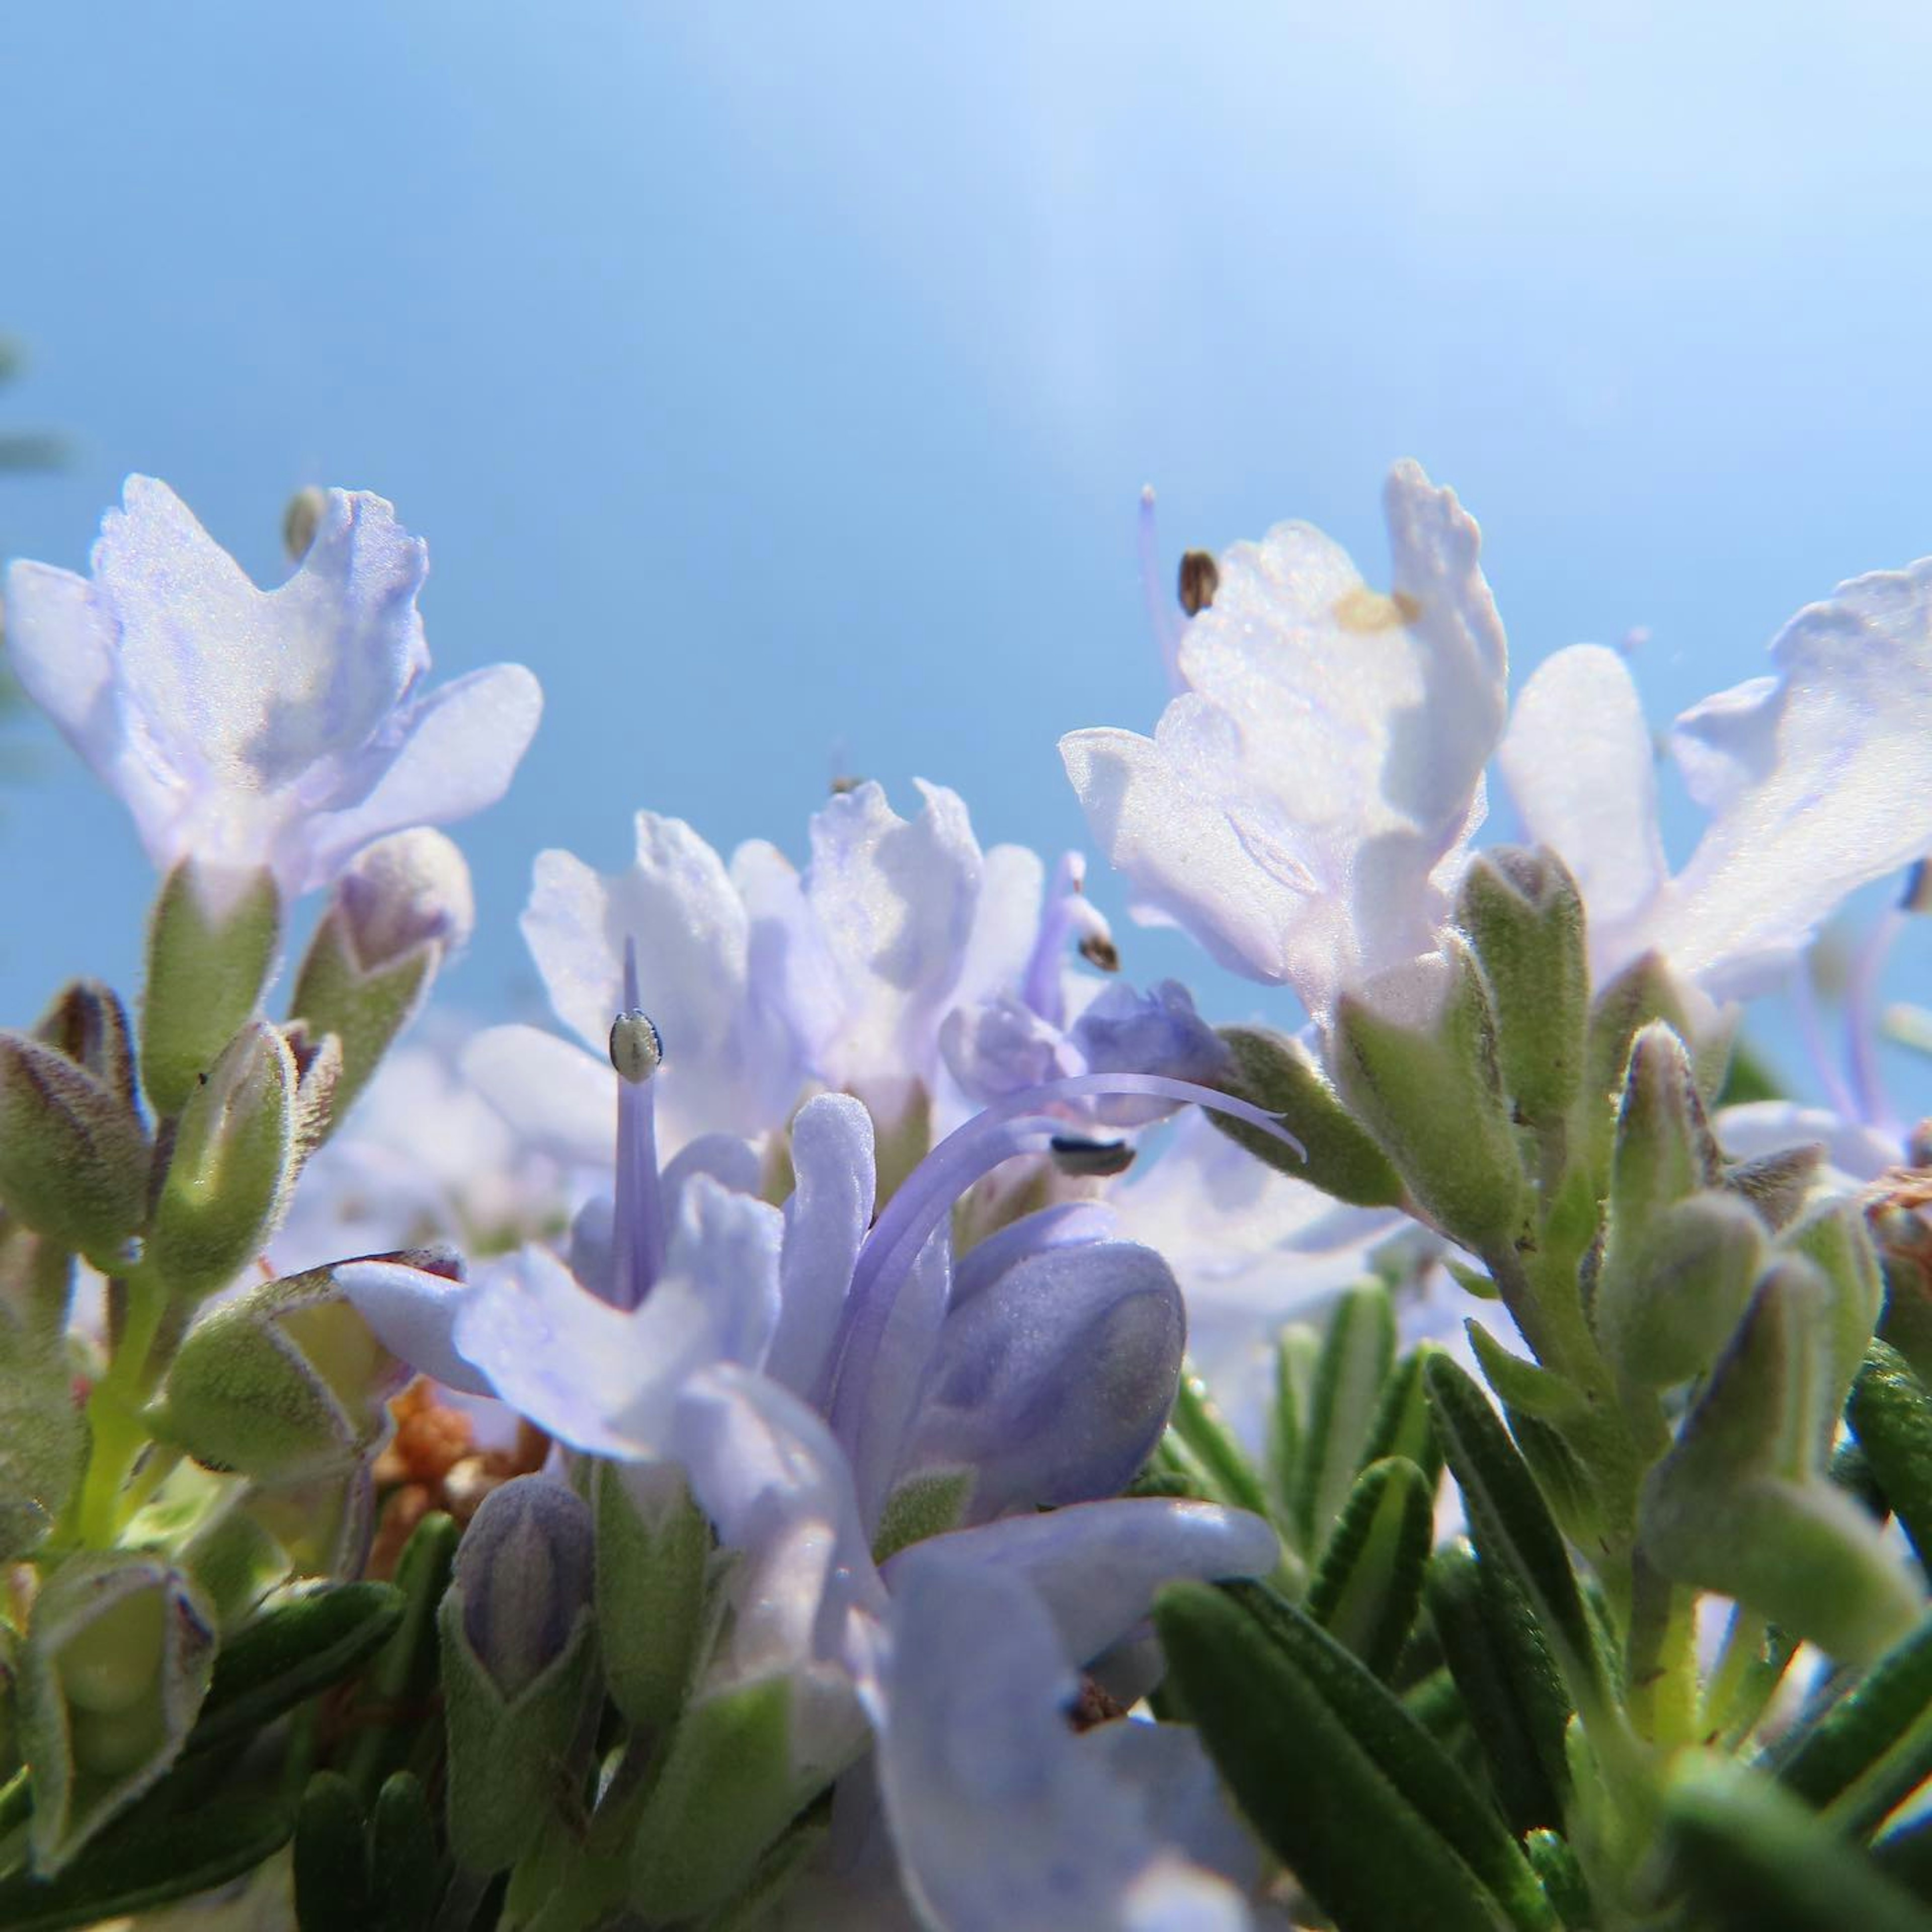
1097,1566
1580,765
453,752
1833,787
1002,1817
825,1219
414,1315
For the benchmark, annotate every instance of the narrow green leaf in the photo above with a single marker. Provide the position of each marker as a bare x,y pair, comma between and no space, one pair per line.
1752,1859
1890,1413
1878,1712
1369,1585
406,1873
290,1654
1510,1688
1512,1525
1358,1352
1905,1856
149,1859
333,1893
1199,1424
1337,1778
1521,1385
1403,1425
1553,1861
402,1675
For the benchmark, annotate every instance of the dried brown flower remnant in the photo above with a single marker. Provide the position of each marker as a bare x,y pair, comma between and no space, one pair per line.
432,1463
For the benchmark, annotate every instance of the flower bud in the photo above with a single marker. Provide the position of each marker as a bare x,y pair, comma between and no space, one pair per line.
1834,1239
73,1154
402,908
1646,990
211,940
1662,1151
1671,1288
653,1548
524,1567
517,1656
1525,917
89,1024
232,1166
1280,1074
284,1382
117,1661
1741,1505
1415,1059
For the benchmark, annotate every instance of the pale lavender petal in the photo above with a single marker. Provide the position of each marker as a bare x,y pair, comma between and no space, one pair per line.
1053,1384
1099,1565
1846,793
826,1220
1296,801
453,752
1071,1222
894,901
895,1388
1005,922
573,1363
1728,743
726,1246
1581,767
413,1314
1002,1819
1000,1046
726,1067
1860,1153
560,1100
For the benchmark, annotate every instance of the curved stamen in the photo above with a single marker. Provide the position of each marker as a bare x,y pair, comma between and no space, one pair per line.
1804,1010
637,1242
1015,1125
1040,986
1862,1017
1161,613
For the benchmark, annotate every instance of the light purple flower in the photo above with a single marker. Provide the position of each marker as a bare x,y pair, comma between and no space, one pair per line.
285,728
1816,779
1305,799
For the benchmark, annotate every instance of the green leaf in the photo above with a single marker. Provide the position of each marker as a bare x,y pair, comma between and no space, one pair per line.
1513,1525
333,1893
1197,1423
1872,1748
406,1872
287,1656
1368,1587
1280,1075
1752,1859
1511,1689
152,1857
1890,1413
1523,1386
1358,1352
1402,1426
402,1678
1552,1861
1340,1782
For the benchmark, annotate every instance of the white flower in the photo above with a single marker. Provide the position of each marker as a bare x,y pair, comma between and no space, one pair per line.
1816,780
284,728
1306,797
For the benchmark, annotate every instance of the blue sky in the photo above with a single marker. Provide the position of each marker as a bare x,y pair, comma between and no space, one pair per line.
778,381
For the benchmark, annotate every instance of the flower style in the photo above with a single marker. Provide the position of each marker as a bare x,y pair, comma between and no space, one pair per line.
1817,779
242,728
1306,798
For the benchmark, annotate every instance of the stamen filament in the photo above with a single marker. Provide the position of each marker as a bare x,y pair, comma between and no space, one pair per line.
1014,1125
637,1243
